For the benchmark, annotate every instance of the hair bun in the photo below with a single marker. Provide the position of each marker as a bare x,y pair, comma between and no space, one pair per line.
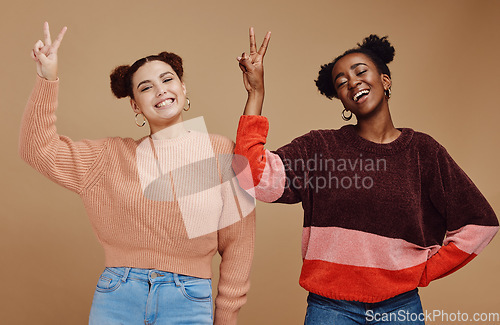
379,46
119,81
174,61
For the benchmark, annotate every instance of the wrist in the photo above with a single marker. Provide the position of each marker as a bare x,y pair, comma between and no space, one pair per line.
254,104
49,78
256,93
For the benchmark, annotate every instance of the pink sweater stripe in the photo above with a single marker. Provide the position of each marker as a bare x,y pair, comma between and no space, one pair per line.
358,248
471,239
353,247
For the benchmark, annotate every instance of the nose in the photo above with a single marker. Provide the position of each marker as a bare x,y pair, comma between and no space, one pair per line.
353,83
161,90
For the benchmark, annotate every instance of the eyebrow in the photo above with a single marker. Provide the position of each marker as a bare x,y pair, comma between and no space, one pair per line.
160,76
354,66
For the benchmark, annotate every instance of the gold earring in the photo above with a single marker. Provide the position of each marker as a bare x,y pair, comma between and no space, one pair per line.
188,105
143,120
344,117
388,93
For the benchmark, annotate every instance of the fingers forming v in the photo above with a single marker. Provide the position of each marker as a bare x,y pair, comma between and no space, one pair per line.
59,38
53,47
46,33
253,47
265,42
246,61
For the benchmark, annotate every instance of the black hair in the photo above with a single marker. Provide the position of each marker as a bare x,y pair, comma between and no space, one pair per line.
378,49
121,76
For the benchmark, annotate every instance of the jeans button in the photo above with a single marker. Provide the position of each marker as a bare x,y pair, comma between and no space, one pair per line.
154,275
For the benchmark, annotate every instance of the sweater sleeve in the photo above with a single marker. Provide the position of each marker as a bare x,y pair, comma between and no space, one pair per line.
236,237
64,161
471,222
266,175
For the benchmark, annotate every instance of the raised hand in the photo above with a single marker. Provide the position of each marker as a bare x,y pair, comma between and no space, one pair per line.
45,53
252,65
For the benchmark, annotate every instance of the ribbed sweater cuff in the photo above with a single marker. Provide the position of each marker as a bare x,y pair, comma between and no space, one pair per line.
45,91
225,317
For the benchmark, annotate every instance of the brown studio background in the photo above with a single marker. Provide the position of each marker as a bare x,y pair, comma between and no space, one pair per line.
445,76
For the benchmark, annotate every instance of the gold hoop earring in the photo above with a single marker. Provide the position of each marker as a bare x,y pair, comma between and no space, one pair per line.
344,117
143,120
188,105
388,93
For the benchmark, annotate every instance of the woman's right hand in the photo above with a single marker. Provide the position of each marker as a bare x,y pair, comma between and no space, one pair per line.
252,64
45,53
253,74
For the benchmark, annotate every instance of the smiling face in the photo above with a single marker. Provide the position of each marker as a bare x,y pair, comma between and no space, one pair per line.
159,94
359,85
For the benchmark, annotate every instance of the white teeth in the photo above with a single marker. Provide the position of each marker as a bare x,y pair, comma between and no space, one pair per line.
358,95
165,102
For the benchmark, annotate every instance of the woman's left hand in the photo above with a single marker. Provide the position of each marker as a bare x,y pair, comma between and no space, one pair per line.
252,65
45,53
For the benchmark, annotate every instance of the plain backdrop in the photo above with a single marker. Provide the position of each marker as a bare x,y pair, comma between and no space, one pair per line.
445,83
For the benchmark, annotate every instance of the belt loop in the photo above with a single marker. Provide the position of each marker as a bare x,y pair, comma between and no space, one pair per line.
176,280
125,274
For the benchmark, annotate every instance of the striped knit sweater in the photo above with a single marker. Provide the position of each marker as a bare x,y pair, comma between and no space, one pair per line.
156,204
379,219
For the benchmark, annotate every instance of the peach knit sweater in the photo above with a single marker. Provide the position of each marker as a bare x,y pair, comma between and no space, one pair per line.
156,204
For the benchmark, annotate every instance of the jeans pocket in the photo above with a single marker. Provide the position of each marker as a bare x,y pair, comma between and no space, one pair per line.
197,289
108,281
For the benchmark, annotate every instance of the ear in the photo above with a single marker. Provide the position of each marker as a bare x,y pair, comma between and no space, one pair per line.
135,108
386,81
183,87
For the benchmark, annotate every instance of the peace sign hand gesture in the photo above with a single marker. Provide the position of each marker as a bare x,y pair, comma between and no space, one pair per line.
252,65
45,53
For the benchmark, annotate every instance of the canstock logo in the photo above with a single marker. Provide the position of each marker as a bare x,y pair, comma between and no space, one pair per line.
187,170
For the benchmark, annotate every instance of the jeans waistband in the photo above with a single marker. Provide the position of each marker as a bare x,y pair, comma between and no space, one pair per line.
400,299
150,275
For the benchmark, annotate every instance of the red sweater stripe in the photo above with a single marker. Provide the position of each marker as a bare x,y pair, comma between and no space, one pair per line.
357,283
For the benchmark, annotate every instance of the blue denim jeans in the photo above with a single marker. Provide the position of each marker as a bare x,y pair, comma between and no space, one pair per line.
126,295
405,308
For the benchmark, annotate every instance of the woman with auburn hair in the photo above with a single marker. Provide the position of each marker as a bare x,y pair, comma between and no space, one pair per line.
386,209
161,206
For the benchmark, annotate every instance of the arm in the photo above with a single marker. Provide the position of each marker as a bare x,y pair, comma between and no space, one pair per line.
236,246
471,222
57,157
259,172
236,237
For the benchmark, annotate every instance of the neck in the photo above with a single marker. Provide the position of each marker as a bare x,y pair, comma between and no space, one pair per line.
378,128
168,132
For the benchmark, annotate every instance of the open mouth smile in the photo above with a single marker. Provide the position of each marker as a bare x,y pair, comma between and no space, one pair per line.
360,94
164,103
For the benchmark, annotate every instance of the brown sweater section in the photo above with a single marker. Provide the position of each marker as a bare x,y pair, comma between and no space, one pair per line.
410,189
139,225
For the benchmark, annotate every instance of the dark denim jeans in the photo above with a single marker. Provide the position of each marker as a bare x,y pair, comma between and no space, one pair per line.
405,308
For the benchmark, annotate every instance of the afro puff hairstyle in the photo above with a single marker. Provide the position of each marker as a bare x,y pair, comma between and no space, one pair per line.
121,76
378,49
